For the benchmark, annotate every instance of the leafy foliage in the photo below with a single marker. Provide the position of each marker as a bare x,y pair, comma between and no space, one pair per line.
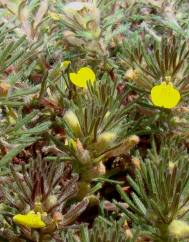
103,231
65,148
167,61
43,187
159,195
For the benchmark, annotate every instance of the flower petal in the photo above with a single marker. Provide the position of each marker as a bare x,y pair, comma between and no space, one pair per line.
155,96
86,74
165,95
82,76
76,81
30,220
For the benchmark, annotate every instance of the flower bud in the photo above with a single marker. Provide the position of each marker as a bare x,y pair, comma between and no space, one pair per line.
106,139
100,169
71,38
136,162
131,74
83,189
93,200
50,202
124,147
82,154
127,229
93,172
72,121
57,216
4,88
171,166
178,229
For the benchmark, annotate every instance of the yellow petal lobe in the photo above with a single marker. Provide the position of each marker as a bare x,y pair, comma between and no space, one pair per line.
165,95
81,78
30,220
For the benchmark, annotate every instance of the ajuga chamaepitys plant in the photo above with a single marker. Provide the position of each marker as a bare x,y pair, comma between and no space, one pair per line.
165,62
34,201
103,231
91,29
94,120
96,129
84,22
159,200
156,68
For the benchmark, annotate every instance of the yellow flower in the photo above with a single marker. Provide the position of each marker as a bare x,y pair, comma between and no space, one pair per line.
31,220
82,76
165,95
